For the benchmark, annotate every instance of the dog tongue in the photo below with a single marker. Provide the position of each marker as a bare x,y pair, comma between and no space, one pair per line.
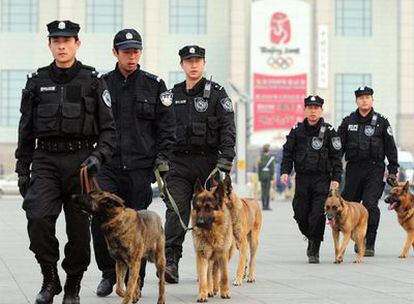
392,206
331,222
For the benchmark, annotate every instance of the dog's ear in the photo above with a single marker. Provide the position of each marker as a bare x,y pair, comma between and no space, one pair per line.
119,202
198,188
341,201
406,186
219,194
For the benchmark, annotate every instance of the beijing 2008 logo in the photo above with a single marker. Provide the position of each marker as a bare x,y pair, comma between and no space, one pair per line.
280,33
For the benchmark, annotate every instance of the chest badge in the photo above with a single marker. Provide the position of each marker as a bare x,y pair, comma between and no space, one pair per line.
352,127
200,104
369,130
317,143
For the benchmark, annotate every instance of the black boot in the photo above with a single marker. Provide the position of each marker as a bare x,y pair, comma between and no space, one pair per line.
172,256
106,285
370,245
51,285
308,250
72,288
314,252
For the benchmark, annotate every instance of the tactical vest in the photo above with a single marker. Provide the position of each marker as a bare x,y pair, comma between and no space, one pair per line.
312,153
66,110
364,141
197,123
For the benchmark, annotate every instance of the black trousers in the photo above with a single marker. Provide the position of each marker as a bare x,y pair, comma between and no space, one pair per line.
54,178
185,169
309,204
265,188
364,181
134,186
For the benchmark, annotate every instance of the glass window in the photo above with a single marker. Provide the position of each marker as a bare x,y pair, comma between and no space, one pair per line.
175,77
19,15
104,16
11,84
345,85
353,17
188,16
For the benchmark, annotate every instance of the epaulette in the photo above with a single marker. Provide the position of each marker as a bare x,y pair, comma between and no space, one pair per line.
217,87
32,75
88,67
329,126
152,76
296,125
96,74
383,116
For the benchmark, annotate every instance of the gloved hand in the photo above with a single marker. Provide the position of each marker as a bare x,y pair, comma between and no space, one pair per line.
224,165
392,180
93,164
162,164
23,184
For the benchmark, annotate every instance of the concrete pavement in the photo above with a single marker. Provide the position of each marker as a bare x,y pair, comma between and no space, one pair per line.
282,272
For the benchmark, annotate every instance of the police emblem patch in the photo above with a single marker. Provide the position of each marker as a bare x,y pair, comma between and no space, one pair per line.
166,98
200,104
389,131
61,25
369,130
192,50
128,35
336,143
106,98
227,104
317,143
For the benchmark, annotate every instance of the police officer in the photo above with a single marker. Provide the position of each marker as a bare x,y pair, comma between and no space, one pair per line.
314,148
266,170
367,138
206,134
66,123
145,121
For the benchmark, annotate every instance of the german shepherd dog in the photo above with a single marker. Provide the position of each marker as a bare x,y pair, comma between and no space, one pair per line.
130,235
213,241
246,217
351,219
402,201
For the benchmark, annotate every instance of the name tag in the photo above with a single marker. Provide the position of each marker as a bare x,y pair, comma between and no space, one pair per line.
181,101
48,89
352,127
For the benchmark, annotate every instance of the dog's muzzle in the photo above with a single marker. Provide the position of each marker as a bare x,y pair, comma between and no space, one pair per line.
204,223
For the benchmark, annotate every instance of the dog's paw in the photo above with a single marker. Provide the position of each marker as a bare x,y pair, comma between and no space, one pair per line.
237,282
338,261
211,294
225,295
358,260
202,299
402,256
251,279
120,292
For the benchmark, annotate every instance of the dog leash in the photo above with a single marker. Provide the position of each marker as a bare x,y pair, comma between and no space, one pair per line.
162,186
87,184
215,171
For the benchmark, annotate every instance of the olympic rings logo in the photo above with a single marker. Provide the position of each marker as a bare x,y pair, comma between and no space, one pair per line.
280,62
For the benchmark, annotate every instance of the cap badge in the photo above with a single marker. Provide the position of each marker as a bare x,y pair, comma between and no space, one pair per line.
361,88
313,98
128,36
61,25
192,50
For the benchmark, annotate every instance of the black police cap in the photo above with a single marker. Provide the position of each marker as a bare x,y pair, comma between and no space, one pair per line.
192,51
313,100
63,28
364,91
127,39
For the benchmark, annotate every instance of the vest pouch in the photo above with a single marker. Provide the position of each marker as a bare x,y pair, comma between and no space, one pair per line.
182,136
351,150
300,157
71,122
213,134
198,134
46,119
323,160
377,149
145,108
312,160
90,126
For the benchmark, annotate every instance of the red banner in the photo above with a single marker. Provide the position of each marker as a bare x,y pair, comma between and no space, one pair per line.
278,101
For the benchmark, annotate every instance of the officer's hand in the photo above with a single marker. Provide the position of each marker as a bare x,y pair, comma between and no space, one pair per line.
224,165
162,164
284,179
23,184
93,164
392,180
334,185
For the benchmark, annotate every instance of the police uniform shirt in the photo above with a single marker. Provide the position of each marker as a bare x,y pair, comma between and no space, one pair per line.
309,154
204,123
144,117
369,138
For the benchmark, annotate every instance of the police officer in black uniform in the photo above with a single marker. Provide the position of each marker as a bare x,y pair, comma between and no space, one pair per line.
66,123
314,148
367,138
206,134
145,123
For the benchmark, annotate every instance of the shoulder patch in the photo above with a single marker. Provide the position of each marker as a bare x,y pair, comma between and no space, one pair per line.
336,143
227,104
106,97
32,75
167,98
152,76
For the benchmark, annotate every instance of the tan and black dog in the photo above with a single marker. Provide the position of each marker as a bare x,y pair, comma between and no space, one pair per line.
351,219
402,201
130,235
213,241
246,217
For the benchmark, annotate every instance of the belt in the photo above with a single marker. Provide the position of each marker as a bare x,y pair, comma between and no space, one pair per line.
206,151
64,146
